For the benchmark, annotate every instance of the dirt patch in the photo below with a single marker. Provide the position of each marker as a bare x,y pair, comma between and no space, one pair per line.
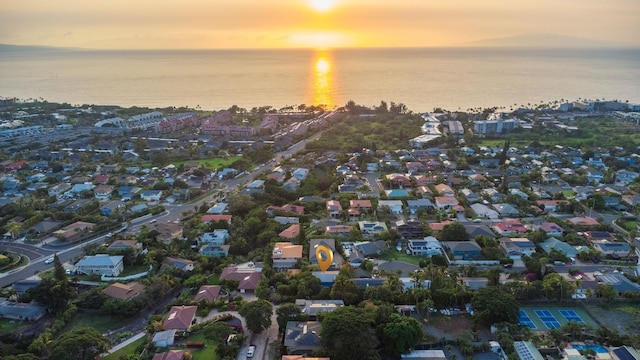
453,326
620,317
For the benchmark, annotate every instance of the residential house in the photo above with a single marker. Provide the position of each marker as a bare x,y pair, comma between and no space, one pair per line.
394,206
509,227
217,237
419,204
331,244
180,318
475,283
494,195
151,195
410,229
338,230
360,205
560,246
292,232
470,196
218,209
370,248
59,189
182,264
292,184
123,292
552,229
20,311
625,353
300,173
463,250
214,250
74,231
247,275
445,190
125,245
101,264
208,293
619,282
210,219
626,176
584,222
287,208
516,247
506,210
615,249
285,255
446,203
167,231
286,220
313,307
526,350
370,229
334,208
164,339
483,211
302,337
429,246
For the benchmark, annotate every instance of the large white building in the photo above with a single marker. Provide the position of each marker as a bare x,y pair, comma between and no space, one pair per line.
101,264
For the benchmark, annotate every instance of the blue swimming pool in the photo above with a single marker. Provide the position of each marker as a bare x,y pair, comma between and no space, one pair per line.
599,349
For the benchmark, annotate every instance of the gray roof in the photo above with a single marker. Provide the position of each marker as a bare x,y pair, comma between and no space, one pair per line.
100,260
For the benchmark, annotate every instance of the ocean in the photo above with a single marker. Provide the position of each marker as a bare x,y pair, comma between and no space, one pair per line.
420,78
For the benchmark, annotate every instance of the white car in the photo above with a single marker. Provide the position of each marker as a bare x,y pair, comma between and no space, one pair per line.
250,351
48,261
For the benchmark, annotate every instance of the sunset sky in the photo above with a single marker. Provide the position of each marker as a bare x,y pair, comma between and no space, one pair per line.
206,24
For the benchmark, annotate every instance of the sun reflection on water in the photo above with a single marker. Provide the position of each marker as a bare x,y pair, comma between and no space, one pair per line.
322,80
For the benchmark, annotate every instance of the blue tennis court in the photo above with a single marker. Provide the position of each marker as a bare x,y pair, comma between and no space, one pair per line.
547,319
524,319
571,315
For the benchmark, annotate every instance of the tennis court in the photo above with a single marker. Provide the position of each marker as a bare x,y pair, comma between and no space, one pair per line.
547,318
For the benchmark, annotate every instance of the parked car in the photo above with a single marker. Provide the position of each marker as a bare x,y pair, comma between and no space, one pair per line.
251,351
48,261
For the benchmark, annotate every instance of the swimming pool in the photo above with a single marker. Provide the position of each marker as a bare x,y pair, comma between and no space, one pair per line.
599,349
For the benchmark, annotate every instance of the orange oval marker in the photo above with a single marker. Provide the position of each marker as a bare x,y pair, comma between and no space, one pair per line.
324,254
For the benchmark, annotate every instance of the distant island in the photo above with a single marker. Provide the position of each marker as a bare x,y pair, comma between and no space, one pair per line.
545,41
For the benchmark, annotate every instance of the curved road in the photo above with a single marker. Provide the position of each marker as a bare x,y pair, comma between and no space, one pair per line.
37,255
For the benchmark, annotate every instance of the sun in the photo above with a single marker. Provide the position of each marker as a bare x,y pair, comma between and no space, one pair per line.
322,5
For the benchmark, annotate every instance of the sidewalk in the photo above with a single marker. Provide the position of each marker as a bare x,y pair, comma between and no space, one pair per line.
127,342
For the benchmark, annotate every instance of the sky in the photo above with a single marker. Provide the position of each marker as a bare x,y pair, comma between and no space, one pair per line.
210,24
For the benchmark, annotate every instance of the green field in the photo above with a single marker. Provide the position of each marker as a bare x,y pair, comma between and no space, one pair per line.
393,254
127,350
102,323
214,163
8,326
208,352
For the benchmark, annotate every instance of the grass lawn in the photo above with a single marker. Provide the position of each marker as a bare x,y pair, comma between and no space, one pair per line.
102,323
214,163
8,326
131,270
401,256
208,352
127,350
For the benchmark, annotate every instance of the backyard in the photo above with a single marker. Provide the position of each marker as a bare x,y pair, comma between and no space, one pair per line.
100,322
394,255
125,351
11,326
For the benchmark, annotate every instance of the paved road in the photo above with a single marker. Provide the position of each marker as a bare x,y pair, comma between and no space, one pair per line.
37,254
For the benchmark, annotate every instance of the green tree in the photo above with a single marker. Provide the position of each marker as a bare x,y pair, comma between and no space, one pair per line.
217,332
556,287
257,315
341,328
606,291
289,312
400,334
82,343
453,232
493,305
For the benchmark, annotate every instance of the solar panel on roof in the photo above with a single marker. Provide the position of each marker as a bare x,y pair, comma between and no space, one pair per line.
623,354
